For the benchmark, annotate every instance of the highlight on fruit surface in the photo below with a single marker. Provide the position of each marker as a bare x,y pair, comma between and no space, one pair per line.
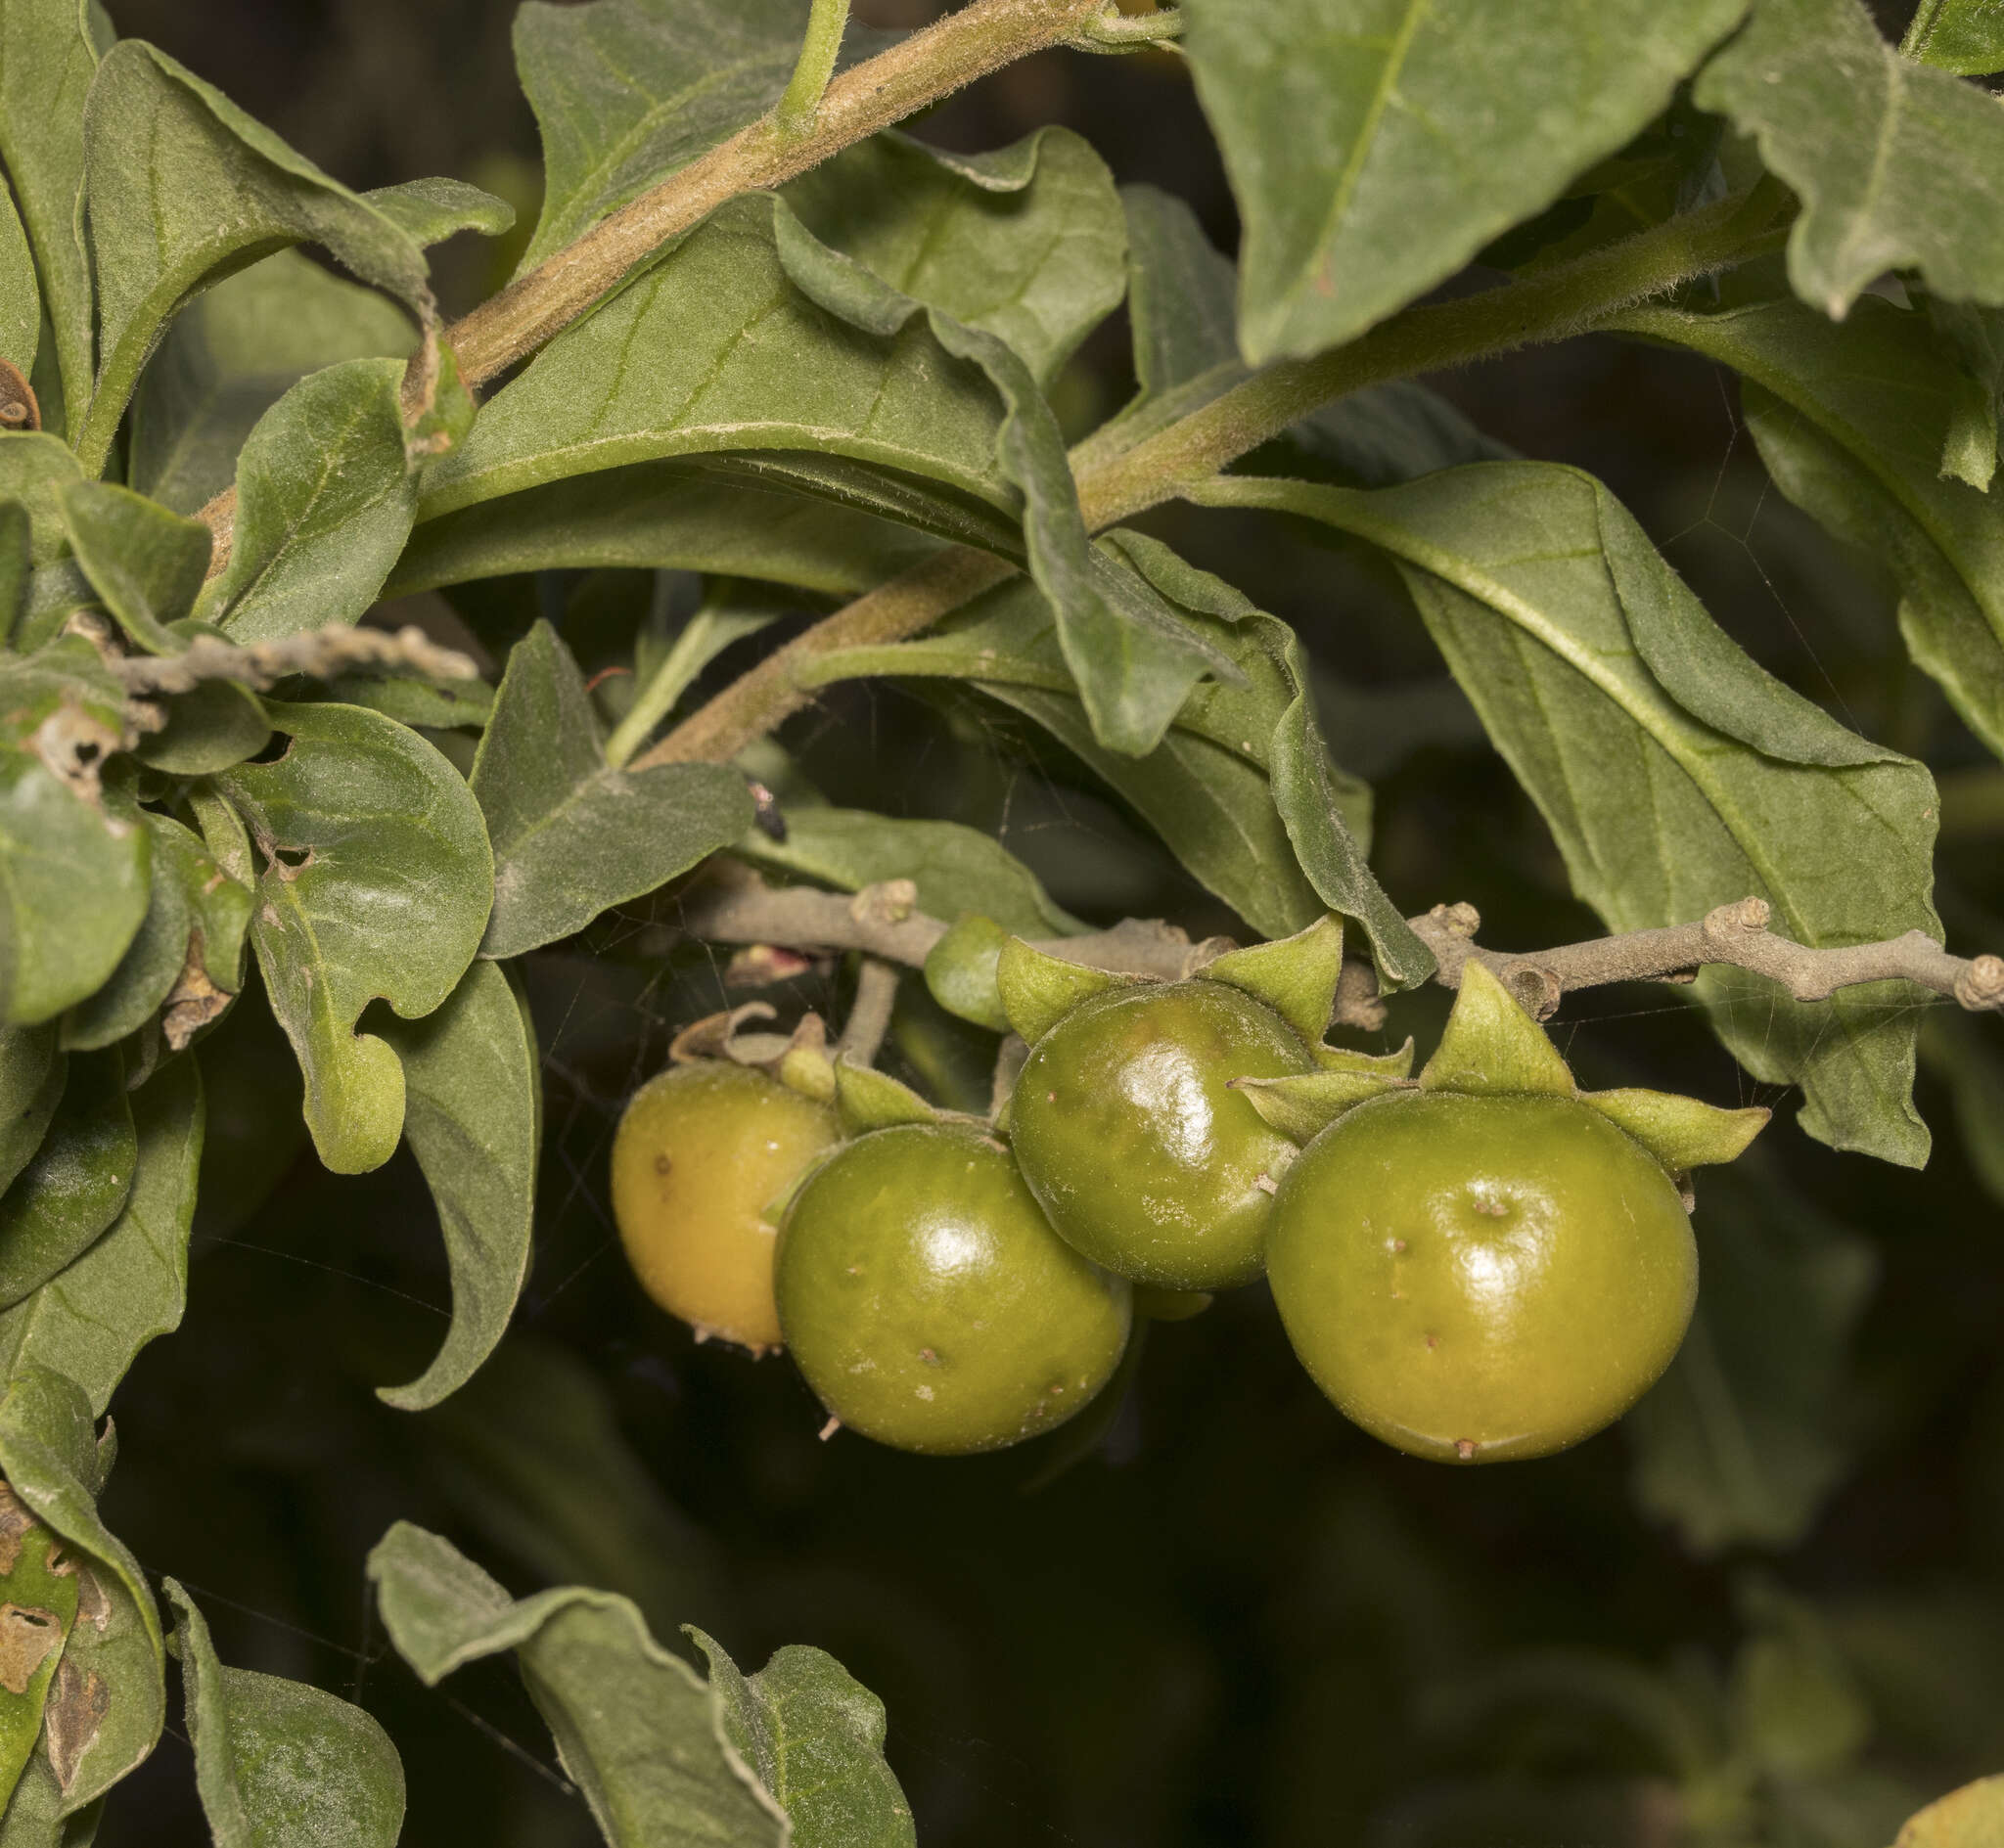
1488,1263
928,1302
701,1155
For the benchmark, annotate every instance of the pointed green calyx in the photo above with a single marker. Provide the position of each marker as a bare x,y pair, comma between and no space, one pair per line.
960,971
1398,1064
1039,990
1491,1044
1681,1133
1295,977
1303,1105
866,1099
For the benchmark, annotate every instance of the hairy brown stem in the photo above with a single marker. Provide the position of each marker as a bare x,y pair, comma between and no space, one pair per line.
740,908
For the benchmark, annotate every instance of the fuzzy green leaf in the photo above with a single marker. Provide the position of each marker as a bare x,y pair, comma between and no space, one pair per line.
1374,146
1682,1133
16,566
181,183
20,301
1038,989
1850,421
32,1072
279,1763
955,868
90,1319
428,211
109,1698
232,353
815,1737
40,1611
1739,1443
324,505
627,91
1180,297
187,956
962,970
47,59
633,1725
1675,774
75,1183
1896,165
471,1113
1027,243
34,467
1965,36
62,832
212,727
573,837
376,882
1295,977
146,562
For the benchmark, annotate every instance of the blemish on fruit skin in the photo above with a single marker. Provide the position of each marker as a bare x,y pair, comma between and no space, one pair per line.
662,1165
1465,1449
1398,1244
927,1355
1432,1340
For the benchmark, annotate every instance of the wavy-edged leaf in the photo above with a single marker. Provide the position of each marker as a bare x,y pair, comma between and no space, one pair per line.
62,832
955,868
1027,243
32,1071
324,505
627,91
1850,421
681,516
1675,774
633,1725
109,1698
144,559
279,1763
573,836
90,1319
1896,165
232,353
47,59
377,880
75,1183
815,1735
1742,1440
1374,146
472,1115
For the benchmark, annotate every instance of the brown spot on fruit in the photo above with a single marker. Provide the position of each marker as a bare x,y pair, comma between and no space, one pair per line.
1465,1449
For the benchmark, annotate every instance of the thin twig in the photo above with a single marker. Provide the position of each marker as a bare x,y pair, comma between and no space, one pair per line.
741,908
321,652
863,1032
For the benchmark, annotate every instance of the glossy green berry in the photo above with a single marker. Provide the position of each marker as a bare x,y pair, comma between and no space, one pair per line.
928,1301
1140,1151
701,1152
1478,1278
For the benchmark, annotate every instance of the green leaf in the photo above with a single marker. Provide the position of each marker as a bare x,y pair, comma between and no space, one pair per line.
1965,36
34,467
32,1071
231,354
1968,1817
182,183
962,970
955,868
145,561
627,91
188,956
633,1725
46,64
279,1763
324,505
1896,165
1027,243
428,211
1180,297
1378,437
1491,1044
212,727
674,515
472,1115
20,301
40,1611
1374,146
1974,338
1850,422
90,1319
62,832
1740,1442
377,882
815,1737
572,836
17,568
1674,773
109,1698
75,1183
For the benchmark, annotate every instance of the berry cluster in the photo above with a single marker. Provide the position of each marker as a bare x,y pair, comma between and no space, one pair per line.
1483,1262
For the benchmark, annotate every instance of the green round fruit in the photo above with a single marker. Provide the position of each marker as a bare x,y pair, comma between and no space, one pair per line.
1140,1152
701,1153
1479,1278
929,1303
